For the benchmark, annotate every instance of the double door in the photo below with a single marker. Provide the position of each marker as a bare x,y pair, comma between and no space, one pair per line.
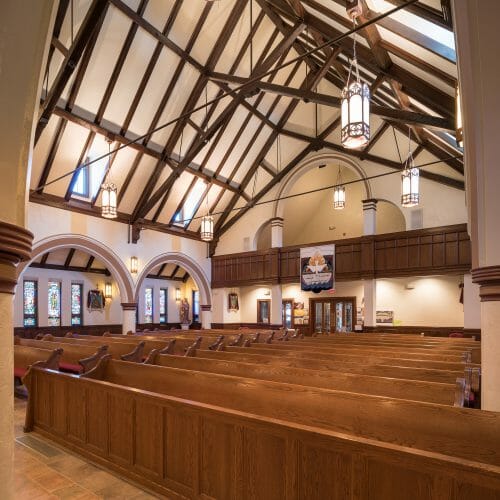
333,315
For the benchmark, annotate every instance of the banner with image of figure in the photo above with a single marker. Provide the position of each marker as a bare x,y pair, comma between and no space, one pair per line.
317,268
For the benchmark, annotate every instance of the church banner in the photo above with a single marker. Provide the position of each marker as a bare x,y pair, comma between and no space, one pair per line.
317,268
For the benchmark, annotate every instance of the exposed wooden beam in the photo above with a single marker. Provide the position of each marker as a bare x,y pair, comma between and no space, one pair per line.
89,263
332,101
69,258
106,132
44,258
164,278
74,269
174,272
92,20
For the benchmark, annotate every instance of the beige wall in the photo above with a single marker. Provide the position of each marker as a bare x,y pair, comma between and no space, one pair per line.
431,301
111,315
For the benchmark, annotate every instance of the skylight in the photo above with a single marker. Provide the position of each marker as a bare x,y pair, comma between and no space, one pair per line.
186,213
437,33
89,178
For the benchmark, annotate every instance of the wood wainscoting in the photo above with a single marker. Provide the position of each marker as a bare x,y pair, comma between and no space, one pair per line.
423,252
60,331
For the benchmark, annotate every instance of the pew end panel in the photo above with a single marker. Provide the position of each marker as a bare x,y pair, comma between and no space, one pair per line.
185,449
137,355
90,362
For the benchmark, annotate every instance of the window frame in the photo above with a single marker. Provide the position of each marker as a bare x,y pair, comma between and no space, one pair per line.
80,315
60,303
152,305
259,311
33,316
164,315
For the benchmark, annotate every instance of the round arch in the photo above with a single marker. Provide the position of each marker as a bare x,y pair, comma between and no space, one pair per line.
396,206
261,228
118,270
188,264
309,164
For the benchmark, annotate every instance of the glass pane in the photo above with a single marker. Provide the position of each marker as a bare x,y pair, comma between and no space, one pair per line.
318,317
54,299
339,322
196,305
348,316
327,318
163,300
264,312
148,305
287,315
30,312
76,303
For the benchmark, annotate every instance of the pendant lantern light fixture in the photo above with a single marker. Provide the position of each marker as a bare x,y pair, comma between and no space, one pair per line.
339,193
355,108
207,225
458,119
109,193
410,195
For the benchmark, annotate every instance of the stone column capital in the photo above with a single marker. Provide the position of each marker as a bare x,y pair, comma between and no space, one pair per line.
206,307
15,246
370,204
129,306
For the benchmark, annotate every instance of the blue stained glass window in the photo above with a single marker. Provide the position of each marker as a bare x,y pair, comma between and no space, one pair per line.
163,305
54,297
30,303
196,305
148,305
76,304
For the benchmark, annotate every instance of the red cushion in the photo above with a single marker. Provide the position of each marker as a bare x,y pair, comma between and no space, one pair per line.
19,372
68,367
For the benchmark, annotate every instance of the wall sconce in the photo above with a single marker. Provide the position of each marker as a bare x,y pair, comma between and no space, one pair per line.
134,265
108,290
177,294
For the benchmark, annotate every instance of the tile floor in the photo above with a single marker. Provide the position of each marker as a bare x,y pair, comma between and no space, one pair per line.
45,471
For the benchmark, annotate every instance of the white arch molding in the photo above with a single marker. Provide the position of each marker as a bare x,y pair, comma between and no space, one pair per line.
93,247
313,162
181,259
194,270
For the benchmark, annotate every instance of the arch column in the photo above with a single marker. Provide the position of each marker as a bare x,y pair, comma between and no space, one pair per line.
369,216
477,46
369,285
129,317
206,316
24,41
277,232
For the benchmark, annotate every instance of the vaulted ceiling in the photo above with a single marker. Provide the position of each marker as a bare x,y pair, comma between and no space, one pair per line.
126,70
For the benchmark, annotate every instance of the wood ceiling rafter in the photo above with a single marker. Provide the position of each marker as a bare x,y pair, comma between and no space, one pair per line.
143,206
198,145
311,81
73,269
404,116
413,86
312,146
69,258
99,129
61,14
75,87
209,114
89,25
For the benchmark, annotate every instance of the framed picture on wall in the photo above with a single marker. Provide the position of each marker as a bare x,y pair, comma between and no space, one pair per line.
232,302
385,317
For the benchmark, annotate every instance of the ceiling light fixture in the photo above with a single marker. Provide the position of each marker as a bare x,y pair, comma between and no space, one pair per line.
355,108
410,195
109,192
339,193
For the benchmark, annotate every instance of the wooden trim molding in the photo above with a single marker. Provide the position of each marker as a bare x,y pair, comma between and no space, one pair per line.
15,246
488,278
205,307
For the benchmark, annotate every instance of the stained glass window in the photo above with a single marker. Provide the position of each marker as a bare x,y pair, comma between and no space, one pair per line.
54,296
30,303
196,305
148,305
163,305
76,304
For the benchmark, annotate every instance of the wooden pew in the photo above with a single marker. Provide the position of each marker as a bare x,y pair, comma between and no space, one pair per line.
400,372
371,359
126,351
432,392
76,358
27,357
202,435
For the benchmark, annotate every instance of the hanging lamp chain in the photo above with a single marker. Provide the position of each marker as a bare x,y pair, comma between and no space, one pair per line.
354,60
